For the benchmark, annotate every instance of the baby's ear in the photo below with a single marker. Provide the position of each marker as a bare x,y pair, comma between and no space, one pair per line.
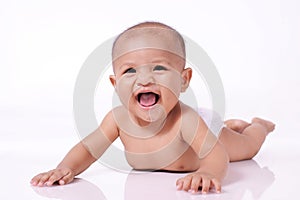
112,79
186,76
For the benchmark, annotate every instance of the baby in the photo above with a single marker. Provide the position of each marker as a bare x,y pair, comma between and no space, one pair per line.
157,130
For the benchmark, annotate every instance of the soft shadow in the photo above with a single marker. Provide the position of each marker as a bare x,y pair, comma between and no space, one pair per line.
151,186
79,189
245,176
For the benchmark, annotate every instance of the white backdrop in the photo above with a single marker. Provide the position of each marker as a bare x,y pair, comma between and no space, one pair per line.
255,46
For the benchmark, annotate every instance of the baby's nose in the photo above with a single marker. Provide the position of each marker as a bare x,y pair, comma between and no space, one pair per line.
145,78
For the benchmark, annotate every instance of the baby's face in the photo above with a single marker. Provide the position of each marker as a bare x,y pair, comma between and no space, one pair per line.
148,82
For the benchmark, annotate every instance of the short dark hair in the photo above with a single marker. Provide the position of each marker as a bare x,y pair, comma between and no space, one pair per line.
152,24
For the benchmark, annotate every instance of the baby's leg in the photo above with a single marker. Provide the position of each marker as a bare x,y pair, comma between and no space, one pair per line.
236,125
245,145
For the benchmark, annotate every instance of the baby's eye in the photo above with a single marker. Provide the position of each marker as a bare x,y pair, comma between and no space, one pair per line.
159,68
129,70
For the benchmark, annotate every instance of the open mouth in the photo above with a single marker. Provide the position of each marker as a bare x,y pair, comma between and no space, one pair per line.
147,99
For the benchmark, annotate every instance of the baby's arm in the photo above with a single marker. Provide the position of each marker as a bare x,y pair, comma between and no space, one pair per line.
81,156
212,170
213,158
75,162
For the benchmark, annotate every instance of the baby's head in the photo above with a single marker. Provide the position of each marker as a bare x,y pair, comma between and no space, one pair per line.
149,69
149,35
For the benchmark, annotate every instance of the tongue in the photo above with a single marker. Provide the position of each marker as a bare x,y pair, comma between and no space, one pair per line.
147,99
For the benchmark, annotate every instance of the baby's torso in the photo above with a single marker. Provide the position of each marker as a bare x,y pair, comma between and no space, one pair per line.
163,149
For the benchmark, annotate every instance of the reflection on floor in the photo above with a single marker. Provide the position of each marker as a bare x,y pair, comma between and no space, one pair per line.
79,189
272,174
242,176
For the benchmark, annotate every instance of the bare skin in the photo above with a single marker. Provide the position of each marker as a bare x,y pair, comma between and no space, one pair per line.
157,130
74,165
243,140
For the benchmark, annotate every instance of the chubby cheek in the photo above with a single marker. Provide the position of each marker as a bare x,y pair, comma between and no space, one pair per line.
171,84
170,90
168,99
124,88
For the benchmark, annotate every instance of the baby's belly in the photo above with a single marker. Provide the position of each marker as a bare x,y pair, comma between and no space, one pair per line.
179,159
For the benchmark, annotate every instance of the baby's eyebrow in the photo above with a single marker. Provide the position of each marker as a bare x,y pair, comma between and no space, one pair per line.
128,63
160,60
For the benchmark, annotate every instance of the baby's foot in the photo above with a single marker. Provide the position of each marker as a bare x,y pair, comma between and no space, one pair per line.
267,124
236,125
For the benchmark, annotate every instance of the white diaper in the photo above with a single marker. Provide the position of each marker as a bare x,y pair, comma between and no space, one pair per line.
212,119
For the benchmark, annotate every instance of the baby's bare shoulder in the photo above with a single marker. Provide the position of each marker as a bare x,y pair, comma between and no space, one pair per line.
118,114
188,113
191,120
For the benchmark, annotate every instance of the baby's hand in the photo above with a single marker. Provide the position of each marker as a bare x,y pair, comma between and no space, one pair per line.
193,181
62,176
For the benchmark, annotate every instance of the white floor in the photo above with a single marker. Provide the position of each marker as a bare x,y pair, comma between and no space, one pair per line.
272,174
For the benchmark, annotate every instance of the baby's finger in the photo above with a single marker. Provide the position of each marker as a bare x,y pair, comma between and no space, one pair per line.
187,183
179,184
44,178
35,180
217,185
196,181
205,185
67,178
56,176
